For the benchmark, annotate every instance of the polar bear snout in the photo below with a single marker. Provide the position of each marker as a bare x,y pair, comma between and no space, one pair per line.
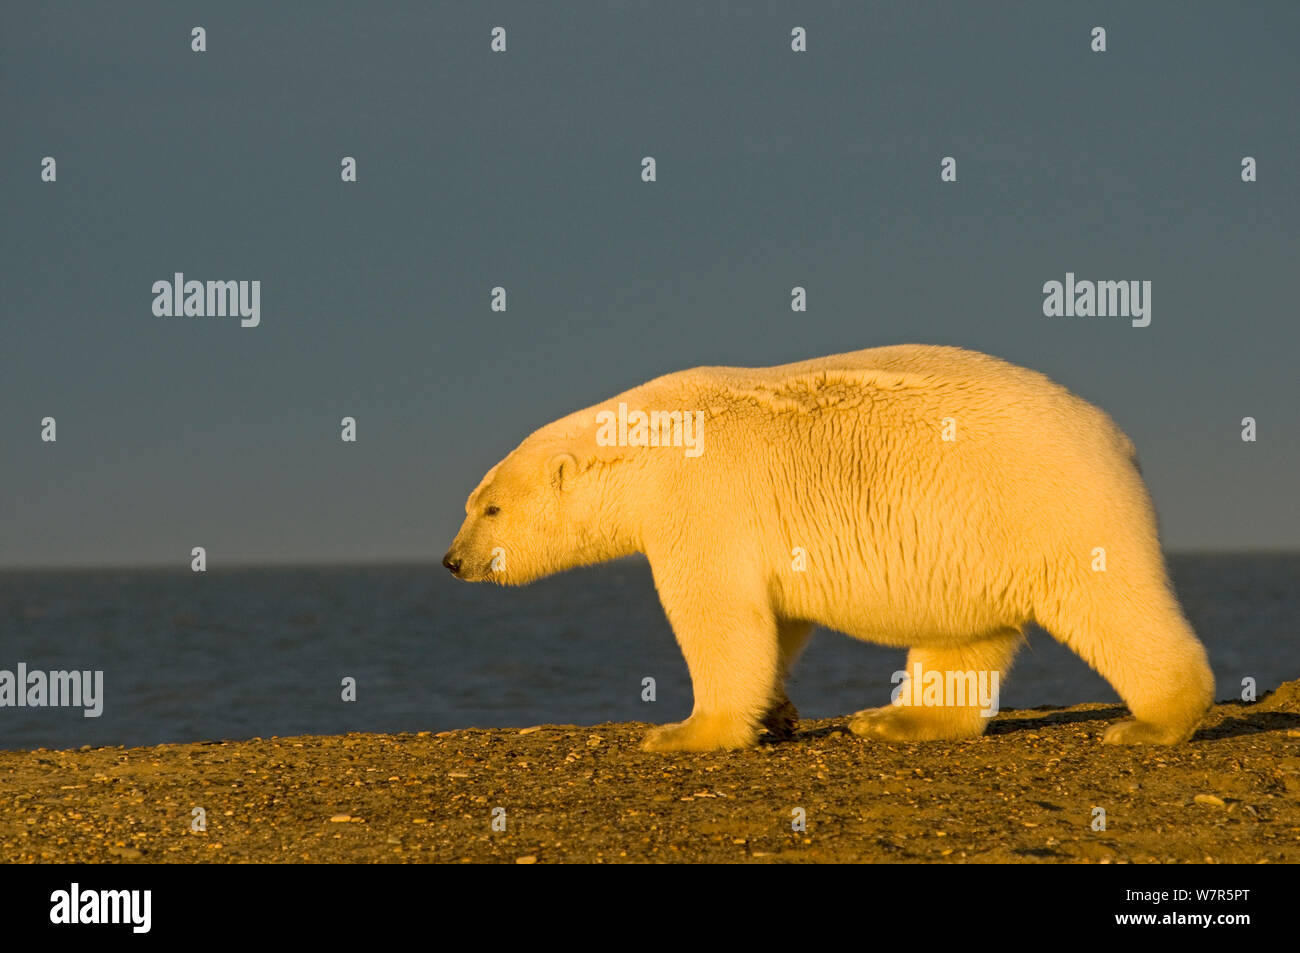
468,562
474,554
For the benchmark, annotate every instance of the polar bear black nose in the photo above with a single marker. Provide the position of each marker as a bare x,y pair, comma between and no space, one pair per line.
452,563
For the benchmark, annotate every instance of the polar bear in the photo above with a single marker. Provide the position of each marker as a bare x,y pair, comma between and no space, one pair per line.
921,496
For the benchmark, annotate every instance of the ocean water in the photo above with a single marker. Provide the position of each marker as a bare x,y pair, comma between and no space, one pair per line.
261,652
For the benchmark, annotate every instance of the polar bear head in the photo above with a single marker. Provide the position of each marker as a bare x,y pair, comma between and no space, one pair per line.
537,512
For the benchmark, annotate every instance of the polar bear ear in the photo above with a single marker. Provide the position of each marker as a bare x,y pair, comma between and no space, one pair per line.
561,469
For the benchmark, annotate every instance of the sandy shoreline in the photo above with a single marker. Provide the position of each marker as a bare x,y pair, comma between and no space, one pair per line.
1026,792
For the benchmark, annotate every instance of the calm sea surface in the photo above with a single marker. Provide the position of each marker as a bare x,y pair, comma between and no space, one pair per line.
261,652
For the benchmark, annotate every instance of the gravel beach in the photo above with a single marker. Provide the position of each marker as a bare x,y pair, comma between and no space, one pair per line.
1028,791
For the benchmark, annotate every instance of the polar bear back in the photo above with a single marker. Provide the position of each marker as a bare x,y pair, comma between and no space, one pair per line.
914,479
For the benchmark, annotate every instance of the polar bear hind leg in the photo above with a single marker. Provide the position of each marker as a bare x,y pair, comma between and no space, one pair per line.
1130,629
950,721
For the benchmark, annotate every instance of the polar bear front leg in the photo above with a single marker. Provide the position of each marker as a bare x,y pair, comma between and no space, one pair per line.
782,717
732,650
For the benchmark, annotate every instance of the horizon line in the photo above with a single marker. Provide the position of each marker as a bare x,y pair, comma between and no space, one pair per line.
294,562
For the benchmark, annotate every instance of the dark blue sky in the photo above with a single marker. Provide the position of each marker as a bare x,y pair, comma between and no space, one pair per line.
522,170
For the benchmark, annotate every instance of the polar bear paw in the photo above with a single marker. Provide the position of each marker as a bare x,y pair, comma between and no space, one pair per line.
781,720
1130,731
701,733
900,723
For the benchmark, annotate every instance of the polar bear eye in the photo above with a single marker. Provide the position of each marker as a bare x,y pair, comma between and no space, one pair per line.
492,511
